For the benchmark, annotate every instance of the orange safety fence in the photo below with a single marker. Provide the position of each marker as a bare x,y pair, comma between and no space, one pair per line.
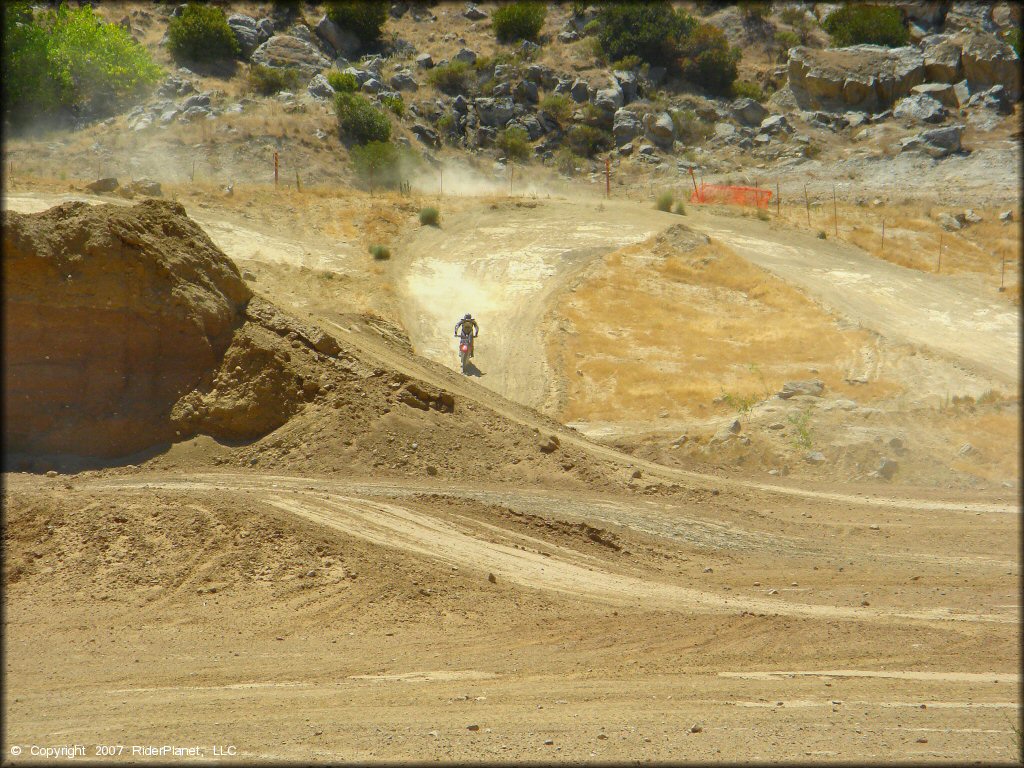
731,195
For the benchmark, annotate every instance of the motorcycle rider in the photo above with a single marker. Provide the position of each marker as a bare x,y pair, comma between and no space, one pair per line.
468,327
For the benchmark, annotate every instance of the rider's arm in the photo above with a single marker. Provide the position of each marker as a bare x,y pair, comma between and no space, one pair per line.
476,329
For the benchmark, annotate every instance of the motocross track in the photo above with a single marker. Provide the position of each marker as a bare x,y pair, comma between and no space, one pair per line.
676,615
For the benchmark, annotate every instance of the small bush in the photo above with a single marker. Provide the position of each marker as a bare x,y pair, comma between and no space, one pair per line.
664,201
679,208
1012,38
587,140
786,39
518,21
628,63
446,122
793,16
565,161
559,106
395,103
690,129
429,216
822,234
270,80
381,164
515,143
380,252
747,89
708,60
364,19
754,10
453,78
591,28
860,23
342,82
201,33
762,214
359,121
649,31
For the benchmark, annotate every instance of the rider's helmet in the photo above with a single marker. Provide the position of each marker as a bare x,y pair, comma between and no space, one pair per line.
468,316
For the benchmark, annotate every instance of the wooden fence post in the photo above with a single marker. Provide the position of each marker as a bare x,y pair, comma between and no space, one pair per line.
807,205
835,209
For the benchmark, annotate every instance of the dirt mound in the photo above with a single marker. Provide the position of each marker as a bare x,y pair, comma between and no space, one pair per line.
111,314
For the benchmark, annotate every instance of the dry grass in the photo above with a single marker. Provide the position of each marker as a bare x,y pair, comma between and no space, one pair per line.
913,236
657,328
996,438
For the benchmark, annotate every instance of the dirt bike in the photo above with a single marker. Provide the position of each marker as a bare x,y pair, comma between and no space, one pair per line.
465,350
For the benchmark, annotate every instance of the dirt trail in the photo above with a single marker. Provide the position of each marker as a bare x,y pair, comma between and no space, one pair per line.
903,305
560,569
503,264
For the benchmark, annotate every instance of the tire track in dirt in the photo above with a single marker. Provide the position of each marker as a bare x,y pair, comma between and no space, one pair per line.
565,571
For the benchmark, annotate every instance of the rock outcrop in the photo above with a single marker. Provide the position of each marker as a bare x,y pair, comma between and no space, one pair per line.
285,51
864,77
111,315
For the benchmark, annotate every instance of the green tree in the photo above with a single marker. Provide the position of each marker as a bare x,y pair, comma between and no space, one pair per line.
515,143
863,23
359,121
708,60
518,21
364,19
651,31
201,33
69,58
381,163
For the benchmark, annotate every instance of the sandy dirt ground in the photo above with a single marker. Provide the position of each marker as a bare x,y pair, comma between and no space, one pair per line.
669,614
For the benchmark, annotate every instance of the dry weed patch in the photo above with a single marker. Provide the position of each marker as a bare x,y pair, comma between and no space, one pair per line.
660,328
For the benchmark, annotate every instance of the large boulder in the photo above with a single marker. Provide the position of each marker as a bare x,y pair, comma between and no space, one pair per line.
865,77
941,59
247,32
341,40
403,80
112,314
287,52
319,88
748,112
988,61
920,107
495,113
937,142
627,82
580,91
626,126
943,92
660,129
609,99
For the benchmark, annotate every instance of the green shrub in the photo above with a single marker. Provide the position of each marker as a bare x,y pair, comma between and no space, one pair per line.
342,82
664,201
565,161
793,15
69,58
201,33
762,214
859,23
690,129
628,63
270,80
453,78
380,252
446,122
364,19
359,121
591,28
587,140
747,89
382,164
786,39
754,10
515,143
518,21
649,31
395,103
559,106
1012,38
679,208
707,60
429,216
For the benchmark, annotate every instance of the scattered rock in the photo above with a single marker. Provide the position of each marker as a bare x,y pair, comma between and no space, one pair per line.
492,578
920,107
815,457
626,126
319,88
425,61
660,129
107,184
473,727
948,222
696,728
1006,216
944,93
887,468
473,13
465,55
748,112
403,80
812,387
550,444
286,51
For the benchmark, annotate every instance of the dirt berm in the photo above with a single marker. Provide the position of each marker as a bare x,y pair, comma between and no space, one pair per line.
127,331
